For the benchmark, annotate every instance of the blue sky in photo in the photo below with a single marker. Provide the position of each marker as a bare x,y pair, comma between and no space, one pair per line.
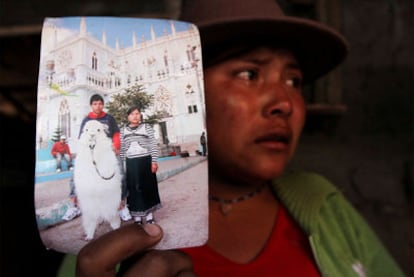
120,28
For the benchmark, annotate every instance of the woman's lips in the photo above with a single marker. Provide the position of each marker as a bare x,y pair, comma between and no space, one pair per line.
278,140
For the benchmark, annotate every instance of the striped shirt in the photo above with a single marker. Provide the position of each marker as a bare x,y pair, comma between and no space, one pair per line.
138,142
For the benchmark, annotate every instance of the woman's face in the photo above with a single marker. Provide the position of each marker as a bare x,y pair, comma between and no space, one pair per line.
134,118
255,114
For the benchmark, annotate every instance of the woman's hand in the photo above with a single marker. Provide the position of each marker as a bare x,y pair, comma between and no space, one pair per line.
131,245
154,167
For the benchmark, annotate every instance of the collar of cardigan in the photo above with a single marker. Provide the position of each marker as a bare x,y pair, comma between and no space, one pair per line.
303,194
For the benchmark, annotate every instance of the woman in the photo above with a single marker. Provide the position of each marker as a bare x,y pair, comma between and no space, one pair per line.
262,220
139,152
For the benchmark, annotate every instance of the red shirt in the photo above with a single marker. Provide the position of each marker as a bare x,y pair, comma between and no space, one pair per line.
286,254
59,147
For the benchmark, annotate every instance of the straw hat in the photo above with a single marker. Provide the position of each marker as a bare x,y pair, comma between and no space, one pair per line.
234,24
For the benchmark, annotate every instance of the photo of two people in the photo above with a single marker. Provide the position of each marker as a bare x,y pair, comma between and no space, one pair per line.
120,135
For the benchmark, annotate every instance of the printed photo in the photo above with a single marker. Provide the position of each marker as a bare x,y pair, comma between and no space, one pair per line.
120,135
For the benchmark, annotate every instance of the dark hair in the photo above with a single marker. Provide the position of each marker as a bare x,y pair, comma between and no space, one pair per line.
96,97
133,108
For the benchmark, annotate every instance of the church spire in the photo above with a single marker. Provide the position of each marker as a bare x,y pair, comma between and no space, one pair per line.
152,33
134,39
104,37
117,44
172,28
83,27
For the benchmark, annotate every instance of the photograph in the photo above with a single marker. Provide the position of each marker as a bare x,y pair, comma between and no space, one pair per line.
120,131
207,138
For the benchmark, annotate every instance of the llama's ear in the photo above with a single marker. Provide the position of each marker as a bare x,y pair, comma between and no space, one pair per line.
106,129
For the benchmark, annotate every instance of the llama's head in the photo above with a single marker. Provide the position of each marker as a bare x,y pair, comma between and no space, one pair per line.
92,132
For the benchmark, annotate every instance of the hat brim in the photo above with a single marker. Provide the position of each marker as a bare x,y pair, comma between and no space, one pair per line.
318,48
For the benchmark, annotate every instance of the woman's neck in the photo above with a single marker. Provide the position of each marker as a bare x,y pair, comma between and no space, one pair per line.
231,188
240,232
133,125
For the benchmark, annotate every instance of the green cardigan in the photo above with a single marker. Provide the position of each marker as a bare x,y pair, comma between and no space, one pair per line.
342,242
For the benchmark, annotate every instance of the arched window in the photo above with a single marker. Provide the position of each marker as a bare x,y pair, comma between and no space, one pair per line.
94,61
64,118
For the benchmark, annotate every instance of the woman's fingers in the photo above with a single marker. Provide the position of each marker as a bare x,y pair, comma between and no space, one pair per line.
131,243
101,256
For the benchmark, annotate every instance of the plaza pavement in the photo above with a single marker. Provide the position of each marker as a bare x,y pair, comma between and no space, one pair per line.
52,190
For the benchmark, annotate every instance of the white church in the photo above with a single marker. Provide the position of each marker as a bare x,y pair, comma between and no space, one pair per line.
75,65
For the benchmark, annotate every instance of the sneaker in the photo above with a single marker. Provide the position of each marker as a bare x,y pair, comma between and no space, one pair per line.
71,168
71,213
58,170
151,221
124,214
138,220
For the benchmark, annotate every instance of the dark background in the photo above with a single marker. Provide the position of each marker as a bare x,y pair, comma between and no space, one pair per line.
366,149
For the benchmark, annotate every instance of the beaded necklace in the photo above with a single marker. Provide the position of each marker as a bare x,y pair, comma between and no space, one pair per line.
226,205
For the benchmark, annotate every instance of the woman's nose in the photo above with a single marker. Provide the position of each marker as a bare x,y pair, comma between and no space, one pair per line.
278,101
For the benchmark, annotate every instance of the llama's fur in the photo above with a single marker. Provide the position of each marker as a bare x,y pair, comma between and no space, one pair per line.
97,178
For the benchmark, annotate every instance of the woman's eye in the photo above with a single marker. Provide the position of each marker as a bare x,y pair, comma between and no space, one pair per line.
294,82
248,75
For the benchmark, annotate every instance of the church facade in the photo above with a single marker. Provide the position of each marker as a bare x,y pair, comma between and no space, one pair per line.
75,64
